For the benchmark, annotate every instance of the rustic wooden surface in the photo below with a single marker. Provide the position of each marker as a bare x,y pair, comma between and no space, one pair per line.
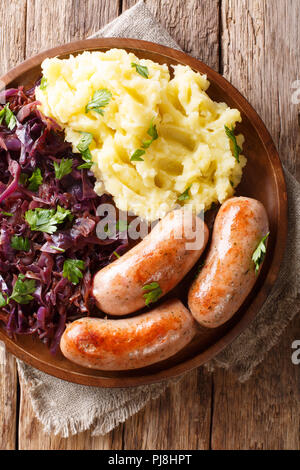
255,44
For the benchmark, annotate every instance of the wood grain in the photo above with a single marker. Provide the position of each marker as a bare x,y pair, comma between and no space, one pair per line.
259,43
59,21
260,56
179,419
8,400
194,24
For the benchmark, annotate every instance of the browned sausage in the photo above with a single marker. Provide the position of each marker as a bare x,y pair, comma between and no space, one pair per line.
129,343
228,274
164,257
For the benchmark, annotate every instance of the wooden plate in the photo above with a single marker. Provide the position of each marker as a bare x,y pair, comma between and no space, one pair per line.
263,179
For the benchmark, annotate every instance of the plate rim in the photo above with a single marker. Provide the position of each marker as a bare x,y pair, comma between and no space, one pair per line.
282,219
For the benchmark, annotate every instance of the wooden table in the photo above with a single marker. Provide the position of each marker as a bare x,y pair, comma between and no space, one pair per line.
255,44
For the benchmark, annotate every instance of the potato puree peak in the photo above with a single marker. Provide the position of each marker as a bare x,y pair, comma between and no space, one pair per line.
192,153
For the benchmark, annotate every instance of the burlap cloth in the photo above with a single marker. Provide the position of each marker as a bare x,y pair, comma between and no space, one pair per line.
65,408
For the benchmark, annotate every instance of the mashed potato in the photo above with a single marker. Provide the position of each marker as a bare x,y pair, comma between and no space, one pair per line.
192,153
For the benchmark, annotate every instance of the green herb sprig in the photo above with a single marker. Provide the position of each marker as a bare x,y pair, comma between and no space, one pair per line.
153,292
46,220
260,252
100,99
236,148
72,270
141,69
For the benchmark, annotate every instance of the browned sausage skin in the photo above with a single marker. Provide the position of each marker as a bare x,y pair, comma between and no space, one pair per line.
129,343
164,256
228,274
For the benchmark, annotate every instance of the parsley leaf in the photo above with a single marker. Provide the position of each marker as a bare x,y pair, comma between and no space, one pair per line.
153,292
20,243
141,69
136,156
23,289
236,149
3,301
46,220
152,131
35,180
63,168
8,116
100,99
44,83
7,214
185,195
72,270
259,253
83,148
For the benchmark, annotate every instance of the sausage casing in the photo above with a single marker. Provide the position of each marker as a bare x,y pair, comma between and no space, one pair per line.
164,256
129,343
228,274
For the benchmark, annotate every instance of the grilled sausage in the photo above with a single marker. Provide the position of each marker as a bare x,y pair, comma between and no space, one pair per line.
129,343
228,274
164,256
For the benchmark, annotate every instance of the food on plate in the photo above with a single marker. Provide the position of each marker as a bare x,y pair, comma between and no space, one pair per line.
49,249
151,139
129,343
235,256
154,266
112,128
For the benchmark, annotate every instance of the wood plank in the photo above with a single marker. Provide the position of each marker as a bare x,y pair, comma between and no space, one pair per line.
8,400
264,412
260,54
193,24
53,23
179,419
50,24
12,26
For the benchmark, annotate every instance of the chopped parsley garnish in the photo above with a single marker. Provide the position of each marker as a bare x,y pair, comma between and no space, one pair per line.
136,156
19,243
152,131
3,301
83,148
8,116
63,168
72,270
153,292
100,99
61,250
46,220
44,83
35,180
185,195
236,149
7,214
22,290
141,69
259,253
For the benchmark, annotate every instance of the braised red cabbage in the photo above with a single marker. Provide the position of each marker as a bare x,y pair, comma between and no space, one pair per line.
36,142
